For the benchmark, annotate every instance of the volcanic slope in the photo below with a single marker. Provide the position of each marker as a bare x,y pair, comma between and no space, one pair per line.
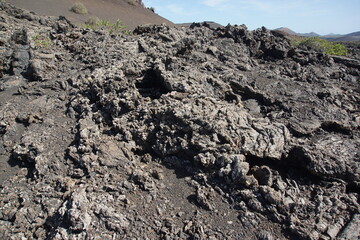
130,12
174,133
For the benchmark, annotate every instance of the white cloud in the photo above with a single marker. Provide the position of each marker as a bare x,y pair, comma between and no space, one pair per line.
213,3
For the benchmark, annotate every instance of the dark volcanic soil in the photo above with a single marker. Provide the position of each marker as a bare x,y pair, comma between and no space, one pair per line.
189,133
131,12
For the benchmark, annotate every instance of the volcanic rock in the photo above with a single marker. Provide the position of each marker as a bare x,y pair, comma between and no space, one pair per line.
174,133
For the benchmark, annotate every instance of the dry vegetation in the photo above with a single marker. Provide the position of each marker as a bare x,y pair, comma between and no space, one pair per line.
79,8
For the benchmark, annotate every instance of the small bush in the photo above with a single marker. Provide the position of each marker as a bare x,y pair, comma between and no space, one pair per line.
335,49
118,26
135,2
320,45
151,9
131,2
96,23
92,21
41,41
79,8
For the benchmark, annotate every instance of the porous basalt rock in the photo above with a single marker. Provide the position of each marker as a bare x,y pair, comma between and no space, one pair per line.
174,133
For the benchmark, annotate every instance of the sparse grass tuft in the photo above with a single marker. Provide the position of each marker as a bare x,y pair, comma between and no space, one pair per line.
79,8
92,21
320,45
42,41
96,23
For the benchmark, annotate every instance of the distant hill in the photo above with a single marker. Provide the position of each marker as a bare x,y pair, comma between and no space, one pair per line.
332,35
291,32
209,23
286,30
311,34
131,12
355,36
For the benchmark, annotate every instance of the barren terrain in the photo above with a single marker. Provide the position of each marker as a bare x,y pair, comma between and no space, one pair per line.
131,12
174,133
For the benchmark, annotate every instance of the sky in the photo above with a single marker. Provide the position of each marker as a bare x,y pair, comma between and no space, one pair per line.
302,16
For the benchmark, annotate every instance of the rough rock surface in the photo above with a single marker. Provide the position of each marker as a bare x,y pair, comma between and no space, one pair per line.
188,133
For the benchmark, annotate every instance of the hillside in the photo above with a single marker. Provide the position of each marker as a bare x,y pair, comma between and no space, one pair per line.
291,32
130,12
174,133
351,37
286,30
210,24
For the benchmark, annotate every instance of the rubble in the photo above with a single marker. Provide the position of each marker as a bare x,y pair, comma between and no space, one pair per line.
174,133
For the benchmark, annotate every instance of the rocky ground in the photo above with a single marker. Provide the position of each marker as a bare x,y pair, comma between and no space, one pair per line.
188,133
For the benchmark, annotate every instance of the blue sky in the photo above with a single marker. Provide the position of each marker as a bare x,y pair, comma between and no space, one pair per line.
320,16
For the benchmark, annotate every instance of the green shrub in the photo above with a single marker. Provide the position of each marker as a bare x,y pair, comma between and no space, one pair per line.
118,26
96,23
335,49
41,41
320,45
79,8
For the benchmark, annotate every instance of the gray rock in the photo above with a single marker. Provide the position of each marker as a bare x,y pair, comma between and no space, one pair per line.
119,133
20,62
75,211
351,231
263,174
203,197
322,157
36,70
113,220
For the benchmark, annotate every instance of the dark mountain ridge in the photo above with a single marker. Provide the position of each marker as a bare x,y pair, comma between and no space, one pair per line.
355,36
